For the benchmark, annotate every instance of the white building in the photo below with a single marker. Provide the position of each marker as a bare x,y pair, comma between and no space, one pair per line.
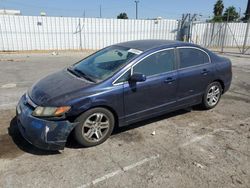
9,12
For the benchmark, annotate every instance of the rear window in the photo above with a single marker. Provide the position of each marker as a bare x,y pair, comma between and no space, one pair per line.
192,57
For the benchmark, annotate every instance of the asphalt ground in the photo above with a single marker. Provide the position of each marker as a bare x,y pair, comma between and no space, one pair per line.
190,148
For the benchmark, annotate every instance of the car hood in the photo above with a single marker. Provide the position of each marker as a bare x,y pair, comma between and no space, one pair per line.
57,89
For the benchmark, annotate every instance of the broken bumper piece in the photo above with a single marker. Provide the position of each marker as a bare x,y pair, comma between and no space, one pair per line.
44,134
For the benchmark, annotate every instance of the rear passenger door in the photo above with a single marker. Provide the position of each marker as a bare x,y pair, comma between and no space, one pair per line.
195,72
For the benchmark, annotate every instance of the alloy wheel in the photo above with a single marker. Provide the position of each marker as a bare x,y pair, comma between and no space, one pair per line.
95,127
213,95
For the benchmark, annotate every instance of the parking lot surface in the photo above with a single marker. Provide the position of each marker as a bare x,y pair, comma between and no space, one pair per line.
190,148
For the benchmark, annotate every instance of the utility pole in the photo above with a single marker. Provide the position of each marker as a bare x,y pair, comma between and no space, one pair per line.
84,13
100,11
136,9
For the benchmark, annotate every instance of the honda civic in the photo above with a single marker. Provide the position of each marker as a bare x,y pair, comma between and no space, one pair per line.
117,86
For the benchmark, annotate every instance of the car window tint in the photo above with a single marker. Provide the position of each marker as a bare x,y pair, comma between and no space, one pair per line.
105,62
157,63
112,55
191,57
124,77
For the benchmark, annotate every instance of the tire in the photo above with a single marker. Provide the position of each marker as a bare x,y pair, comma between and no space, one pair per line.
212,96
94,127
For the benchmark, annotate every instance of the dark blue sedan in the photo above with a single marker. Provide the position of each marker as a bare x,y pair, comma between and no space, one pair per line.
119,85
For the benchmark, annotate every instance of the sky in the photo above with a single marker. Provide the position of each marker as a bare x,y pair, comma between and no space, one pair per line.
169,9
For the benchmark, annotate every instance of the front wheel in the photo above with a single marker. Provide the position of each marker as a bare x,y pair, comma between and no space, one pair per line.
95,126
212,95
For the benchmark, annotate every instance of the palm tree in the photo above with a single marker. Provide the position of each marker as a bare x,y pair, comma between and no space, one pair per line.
218,10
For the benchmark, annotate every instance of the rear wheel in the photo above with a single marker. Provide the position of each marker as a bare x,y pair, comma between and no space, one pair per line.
212,95
95,126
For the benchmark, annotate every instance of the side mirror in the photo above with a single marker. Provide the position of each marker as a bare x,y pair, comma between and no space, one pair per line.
137,77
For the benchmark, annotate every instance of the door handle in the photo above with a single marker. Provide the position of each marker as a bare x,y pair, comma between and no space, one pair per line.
169,80
204,71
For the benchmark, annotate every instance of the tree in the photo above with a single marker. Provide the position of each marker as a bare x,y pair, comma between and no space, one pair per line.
231,14
247,13
218,10
122,16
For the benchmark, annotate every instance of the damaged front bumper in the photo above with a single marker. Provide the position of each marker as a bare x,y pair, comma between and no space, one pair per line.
44,134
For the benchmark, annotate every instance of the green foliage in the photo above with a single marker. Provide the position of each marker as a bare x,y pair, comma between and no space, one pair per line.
231,14
122,16
218,10
247,13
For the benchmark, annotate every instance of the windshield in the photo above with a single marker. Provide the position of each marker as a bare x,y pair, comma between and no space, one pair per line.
106,62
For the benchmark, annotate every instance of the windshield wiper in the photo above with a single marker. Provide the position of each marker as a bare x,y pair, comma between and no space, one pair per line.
82,74
71,70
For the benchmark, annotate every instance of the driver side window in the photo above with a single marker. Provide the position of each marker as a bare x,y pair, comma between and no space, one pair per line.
160,62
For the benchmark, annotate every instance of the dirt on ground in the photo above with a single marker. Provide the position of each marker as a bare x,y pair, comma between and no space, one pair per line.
189,148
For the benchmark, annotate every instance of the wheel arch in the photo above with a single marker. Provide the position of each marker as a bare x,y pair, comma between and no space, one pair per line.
221,83
111,110
72,119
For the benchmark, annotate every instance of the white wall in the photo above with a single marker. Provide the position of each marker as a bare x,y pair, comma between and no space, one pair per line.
62,33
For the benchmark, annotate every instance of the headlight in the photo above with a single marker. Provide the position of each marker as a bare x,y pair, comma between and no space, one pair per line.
50,111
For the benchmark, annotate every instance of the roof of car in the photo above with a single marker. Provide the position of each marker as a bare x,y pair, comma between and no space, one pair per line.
150,44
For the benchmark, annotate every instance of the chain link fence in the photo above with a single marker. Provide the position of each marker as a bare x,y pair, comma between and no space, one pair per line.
222,37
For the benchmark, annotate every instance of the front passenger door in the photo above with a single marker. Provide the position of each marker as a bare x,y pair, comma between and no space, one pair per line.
155,94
